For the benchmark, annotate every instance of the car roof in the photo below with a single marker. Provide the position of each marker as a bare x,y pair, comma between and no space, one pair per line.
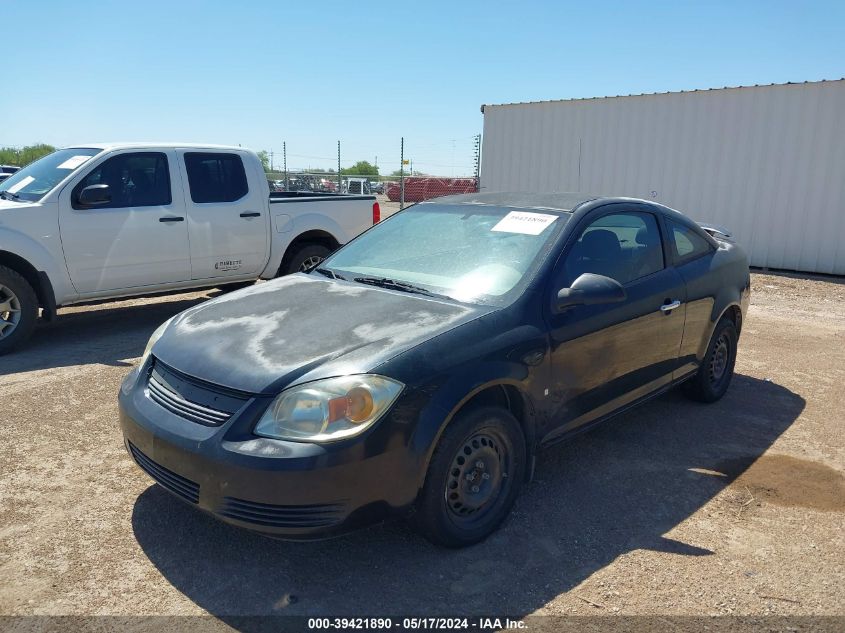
559,201
520,200
144,145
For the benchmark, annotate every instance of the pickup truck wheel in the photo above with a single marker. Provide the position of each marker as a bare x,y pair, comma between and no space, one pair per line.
305,258
473,478
714,375
18,309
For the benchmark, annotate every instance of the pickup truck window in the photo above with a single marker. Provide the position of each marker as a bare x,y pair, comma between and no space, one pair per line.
622,246
214,177
139,179
37,179
687,244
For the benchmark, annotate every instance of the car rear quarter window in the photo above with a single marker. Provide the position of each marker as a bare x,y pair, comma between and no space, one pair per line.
687,244
215,177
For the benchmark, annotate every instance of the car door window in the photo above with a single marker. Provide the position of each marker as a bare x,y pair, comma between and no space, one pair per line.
687,243
140,179
215,177
622,246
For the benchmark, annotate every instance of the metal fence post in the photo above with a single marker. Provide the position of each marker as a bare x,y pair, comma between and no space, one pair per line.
402,174
339,188
477,159
285,159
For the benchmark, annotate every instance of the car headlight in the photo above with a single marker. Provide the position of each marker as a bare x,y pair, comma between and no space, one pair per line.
329,409
155,336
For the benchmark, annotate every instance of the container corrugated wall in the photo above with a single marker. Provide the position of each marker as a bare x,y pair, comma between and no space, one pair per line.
766,162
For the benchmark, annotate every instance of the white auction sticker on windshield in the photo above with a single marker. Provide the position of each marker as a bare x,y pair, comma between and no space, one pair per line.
73,162
524,222
20,185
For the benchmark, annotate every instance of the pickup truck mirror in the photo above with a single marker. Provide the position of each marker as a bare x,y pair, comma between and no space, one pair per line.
95,196
590,289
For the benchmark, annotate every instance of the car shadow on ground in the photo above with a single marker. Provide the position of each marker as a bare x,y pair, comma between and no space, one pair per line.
616,489
105,335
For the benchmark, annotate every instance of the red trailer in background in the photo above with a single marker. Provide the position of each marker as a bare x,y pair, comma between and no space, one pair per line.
419,188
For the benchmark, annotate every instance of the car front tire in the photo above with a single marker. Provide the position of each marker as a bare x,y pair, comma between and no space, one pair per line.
713,377
473,479
18,309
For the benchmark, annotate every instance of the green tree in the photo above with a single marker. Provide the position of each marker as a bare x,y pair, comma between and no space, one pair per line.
21,156
361,168
264,157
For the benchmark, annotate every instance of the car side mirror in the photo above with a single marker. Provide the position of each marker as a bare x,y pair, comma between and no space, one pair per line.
590,289
95,196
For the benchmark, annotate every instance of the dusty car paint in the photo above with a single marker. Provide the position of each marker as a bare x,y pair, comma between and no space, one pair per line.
560,373
299,328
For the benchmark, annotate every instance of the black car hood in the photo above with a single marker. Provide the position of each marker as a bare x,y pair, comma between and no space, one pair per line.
301,328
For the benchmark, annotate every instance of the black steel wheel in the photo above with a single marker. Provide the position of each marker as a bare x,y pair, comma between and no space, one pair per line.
716,370
473,478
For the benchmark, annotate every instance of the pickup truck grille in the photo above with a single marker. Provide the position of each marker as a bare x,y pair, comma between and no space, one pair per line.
192,399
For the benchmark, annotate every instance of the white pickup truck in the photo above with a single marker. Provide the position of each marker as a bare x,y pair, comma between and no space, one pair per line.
103,221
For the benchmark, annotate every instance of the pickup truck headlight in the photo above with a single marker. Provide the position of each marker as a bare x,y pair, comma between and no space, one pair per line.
153,338
328,410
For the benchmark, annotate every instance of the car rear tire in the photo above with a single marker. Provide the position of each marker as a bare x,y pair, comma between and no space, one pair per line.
18,309
473,479
714,375
305,258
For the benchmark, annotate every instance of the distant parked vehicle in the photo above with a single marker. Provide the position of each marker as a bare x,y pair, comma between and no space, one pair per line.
98,222
327,184
7,170
356,186
295,183
376,186
419,188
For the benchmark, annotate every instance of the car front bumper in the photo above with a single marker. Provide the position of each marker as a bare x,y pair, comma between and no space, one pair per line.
288,489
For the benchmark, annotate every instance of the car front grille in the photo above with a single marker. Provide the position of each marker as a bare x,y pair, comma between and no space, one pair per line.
192,399
301,516
176,484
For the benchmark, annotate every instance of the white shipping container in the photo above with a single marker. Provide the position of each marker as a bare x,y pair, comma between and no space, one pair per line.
766,162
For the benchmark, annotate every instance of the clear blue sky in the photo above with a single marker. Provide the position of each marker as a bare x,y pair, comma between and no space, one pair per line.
260,72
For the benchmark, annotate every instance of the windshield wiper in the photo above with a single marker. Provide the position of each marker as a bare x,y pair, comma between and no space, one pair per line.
392,284
329,273
8,195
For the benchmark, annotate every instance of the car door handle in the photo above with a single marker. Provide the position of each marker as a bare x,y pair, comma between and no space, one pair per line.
668,307
250,214
172,218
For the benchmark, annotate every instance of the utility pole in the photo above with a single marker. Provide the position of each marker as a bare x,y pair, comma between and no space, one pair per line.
271,161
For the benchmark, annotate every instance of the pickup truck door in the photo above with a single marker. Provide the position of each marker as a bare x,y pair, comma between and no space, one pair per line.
139,237
228,222
607,356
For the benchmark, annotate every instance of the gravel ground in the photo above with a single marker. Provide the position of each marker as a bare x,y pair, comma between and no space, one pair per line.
675,508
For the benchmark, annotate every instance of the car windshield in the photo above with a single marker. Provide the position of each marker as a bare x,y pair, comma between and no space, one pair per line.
467,252
35,180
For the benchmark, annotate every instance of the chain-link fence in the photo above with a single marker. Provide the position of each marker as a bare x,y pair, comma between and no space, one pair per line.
417,172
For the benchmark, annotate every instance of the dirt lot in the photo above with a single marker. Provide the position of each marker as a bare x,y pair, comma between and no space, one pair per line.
676,508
